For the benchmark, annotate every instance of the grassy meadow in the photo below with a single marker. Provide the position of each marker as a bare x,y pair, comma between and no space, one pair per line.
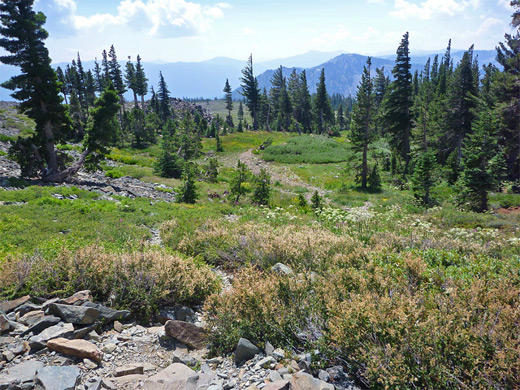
402,296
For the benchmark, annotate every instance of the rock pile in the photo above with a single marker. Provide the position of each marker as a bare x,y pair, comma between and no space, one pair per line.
74,343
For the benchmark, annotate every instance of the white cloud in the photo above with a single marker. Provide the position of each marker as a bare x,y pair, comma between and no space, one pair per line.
166,18
505,3
404,9
248,31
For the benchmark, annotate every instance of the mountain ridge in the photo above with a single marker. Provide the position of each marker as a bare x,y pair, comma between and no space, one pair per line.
206,79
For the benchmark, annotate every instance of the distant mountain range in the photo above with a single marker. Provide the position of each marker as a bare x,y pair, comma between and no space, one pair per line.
207,78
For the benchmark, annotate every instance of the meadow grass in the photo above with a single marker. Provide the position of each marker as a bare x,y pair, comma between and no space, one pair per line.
308,149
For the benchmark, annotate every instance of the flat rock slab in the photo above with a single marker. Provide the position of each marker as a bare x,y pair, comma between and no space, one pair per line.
8,306
22,373
77,298
26,308
31,317
245,350
57,331
187,333
79,315
58,377
303,381
129,369
78,348
42,324
106,313
174,377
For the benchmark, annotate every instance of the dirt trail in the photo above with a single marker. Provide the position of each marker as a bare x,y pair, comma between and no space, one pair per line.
278,173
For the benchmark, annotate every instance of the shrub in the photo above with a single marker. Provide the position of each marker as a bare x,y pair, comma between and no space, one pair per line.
138,281
262,191
187,192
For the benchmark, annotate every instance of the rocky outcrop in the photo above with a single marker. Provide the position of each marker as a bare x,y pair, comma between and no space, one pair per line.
58,355
187,333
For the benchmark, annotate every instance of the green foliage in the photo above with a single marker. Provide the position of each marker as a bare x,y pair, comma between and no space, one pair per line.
423,178
239,184
262,190
187,192
250,91
212,170
36,87
102,130
316,202
374,179
219,148
307,149
478,176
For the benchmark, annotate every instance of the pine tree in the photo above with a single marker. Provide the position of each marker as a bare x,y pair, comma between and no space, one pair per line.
362,117
37,88
102,129
239,185
219,144
506,90
187,192
168,163
398,105
421,107
423,178
322,107
240,112
212,170
163,97
63,83
316,202
141,82
262,190
98,78
131,79
251,91
478,176
116,75
374,179
229,102
304,103
340,118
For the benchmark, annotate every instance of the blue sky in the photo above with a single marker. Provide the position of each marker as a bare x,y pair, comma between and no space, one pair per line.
182,30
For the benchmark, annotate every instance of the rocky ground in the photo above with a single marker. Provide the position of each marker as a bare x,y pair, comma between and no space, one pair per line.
74,343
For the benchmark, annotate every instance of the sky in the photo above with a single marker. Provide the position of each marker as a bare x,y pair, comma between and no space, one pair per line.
182,30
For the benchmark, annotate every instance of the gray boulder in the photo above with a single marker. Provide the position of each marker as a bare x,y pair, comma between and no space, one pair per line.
106,313
80,315
7,306
245,350
41,325
61,330
58,378
187,333
282,269
27,308
23,374
176,376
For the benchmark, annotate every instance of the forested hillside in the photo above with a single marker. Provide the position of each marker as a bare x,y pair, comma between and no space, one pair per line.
330,229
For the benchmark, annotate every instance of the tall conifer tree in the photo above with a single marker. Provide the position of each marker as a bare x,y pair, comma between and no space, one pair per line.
399,103
251,91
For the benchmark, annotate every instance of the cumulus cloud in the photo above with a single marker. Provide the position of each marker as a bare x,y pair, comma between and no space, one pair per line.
165,18
427,9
